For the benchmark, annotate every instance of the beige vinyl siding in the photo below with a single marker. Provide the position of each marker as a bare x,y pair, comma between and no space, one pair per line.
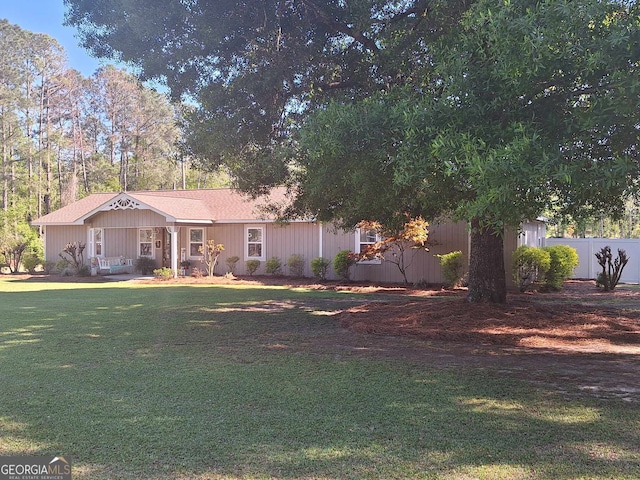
57,238
127,219
120,242
279,241
424,265
295,238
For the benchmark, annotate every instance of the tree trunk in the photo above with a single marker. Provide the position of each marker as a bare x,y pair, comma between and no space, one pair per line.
487,281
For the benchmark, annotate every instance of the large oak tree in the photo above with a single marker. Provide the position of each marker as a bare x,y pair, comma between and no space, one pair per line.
487,111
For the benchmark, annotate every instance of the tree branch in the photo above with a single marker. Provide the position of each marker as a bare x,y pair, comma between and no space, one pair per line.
341,27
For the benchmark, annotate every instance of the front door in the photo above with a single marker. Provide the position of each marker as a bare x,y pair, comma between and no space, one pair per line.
166,248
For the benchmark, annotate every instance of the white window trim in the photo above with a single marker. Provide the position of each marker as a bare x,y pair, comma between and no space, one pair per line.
204,242
374,261
92,242
153,250
263,257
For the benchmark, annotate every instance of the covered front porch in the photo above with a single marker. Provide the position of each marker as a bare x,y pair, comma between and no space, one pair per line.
115,250
164,231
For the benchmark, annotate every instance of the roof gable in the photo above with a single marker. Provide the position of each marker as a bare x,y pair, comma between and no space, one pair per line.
181,206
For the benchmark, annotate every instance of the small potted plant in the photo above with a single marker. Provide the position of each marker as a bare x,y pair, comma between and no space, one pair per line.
185,265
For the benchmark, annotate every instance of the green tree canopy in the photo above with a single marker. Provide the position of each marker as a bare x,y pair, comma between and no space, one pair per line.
488,111
255,69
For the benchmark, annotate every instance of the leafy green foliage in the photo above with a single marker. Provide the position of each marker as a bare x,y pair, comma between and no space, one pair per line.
342,263
273,266
144,265
231,264
530,265
20,244
254,71
319,267
563,260
252,266
296,263
31,262
452,264
164,273
488,111
611,269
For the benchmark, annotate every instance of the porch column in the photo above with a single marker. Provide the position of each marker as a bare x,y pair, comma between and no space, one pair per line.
173,231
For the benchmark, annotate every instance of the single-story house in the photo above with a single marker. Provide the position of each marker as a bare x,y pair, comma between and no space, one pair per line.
170,227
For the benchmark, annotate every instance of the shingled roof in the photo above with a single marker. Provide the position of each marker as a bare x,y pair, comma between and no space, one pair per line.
183,206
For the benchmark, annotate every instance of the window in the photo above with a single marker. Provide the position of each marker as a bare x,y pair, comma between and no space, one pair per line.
95,242
196,242
145,242
255,243
364,238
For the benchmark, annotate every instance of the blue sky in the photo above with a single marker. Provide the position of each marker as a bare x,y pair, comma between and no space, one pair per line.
46,16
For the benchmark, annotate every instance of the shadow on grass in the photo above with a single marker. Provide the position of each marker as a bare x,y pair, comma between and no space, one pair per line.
186,382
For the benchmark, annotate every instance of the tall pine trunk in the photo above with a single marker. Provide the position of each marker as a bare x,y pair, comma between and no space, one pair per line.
487,281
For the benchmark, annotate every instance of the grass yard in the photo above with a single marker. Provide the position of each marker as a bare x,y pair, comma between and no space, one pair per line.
155,381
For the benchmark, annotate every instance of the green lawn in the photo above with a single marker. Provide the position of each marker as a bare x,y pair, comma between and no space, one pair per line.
158,381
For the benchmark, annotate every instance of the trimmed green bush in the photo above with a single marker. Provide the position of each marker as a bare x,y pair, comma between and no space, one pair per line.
163,273
231,264
563,260
31,262
84,271
62,265
530,265
252,266
144,265
342,263
273,266
452,264
295,263
319,267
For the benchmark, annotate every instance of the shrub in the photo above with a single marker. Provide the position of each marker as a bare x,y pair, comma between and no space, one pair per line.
49,267
231,264
530,265
611,269
73,253
273,266
197,273
210,253
31,262
163,273
62,265
342,263
452,264
296,265
319,267
252,266
84,271
145,265
563,260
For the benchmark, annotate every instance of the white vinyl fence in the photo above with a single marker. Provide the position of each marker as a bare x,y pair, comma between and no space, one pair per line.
588,247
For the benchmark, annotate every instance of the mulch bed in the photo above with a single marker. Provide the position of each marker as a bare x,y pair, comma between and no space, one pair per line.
580,318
